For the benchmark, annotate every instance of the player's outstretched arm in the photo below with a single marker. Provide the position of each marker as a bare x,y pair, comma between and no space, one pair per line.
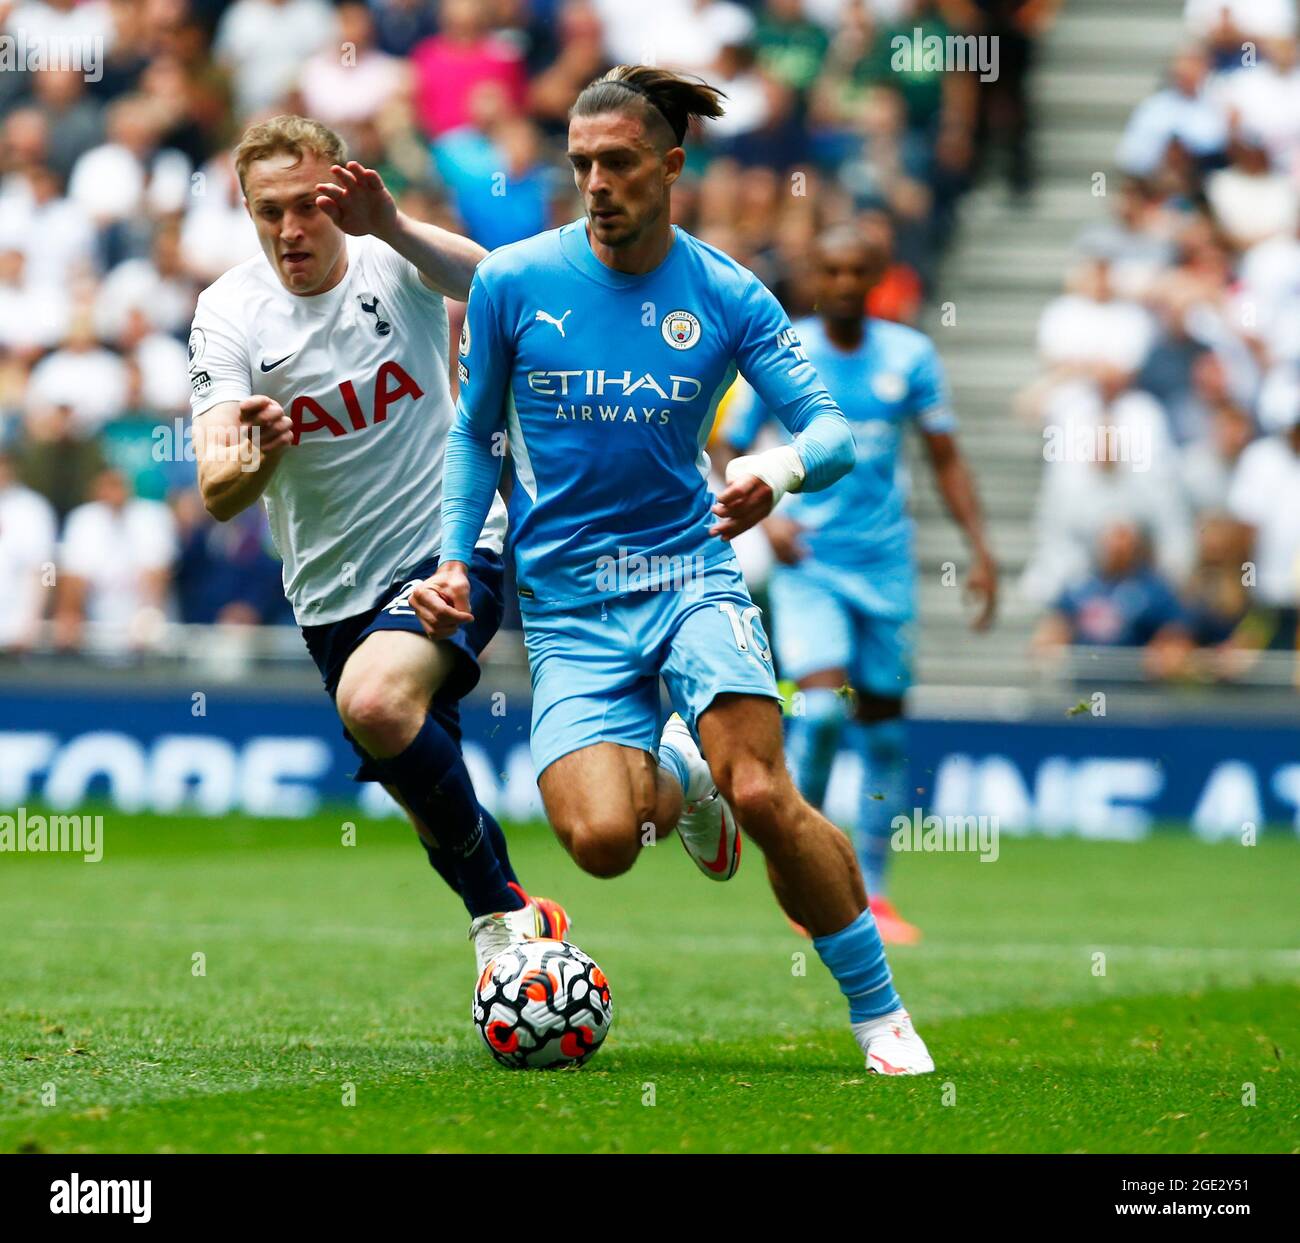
472,464
957,488
359,203
238,445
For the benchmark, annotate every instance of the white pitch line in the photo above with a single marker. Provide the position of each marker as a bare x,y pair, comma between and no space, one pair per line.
948,949
731,942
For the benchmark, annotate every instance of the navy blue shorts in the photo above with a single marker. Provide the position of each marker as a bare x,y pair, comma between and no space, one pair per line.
331,644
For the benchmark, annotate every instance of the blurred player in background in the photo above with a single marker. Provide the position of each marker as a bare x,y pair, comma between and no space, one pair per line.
320,384
843,592
601,349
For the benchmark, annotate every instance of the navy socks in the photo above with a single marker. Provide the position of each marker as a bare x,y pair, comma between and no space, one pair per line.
435,784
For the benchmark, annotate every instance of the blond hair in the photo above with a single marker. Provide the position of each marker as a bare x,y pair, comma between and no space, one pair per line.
288,135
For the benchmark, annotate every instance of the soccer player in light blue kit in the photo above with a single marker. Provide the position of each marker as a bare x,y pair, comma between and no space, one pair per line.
843,591
599,352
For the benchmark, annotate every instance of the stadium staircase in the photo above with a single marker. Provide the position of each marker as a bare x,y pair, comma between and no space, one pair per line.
1099,60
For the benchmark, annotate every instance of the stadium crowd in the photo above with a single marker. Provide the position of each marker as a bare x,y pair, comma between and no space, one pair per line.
1170,394
1169,400
118,203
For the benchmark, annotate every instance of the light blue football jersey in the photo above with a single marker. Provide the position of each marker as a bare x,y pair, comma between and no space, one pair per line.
894,376
605,386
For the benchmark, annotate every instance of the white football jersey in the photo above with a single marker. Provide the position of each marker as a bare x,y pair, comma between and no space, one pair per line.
361,369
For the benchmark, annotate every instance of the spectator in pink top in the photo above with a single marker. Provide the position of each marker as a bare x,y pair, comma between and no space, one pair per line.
451,64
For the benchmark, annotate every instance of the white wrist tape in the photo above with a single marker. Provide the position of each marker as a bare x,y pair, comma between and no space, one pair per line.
781,469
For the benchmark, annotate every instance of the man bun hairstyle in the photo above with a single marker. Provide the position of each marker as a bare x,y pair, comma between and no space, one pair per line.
658,94
288,135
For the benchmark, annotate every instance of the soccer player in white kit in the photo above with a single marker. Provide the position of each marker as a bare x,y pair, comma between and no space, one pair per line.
319,384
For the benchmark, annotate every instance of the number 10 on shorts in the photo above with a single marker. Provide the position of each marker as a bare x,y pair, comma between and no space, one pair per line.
742,627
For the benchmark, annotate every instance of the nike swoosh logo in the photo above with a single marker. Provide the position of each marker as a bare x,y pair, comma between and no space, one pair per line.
721,861
272,366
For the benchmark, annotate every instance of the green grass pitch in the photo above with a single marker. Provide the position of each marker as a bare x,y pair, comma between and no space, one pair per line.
333,1012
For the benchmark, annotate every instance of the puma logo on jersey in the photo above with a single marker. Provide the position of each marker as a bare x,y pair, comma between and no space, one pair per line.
547,318
382,326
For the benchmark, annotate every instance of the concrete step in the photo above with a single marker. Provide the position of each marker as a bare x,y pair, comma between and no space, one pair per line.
1039,275
1012,503
1012,543
977,328
1139,36
1103,87
1083,153
1065,199
984,390
1011,370
991,233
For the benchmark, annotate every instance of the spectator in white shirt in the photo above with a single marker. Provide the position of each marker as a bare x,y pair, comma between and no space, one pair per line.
350,81
163,363
115,566
159,287
1207,464
83,376
76,122
1267,295
1109,459
1251,200
129,173
1264,99
1228,23
54,233
1183,113
1265,497
27,543
263,43
55,22
1089,328
217,232
687,34
33,318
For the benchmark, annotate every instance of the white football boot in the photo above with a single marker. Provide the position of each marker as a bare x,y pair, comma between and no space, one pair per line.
492,934
538,917
707,828
892,1046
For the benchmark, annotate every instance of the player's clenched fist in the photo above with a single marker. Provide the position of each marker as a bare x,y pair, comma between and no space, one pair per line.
272,428
442,602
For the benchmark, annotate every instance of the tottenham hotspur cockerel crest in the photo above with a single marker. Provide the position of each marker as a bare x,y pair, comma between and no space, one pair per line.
370,305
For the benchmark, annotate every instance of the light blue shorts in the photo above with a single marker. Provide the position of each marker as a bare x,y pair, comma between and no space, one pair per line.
825,618
596,668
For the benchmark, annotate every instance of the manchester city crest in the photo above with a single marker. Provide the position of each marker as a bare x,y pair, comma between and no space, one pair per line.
680,329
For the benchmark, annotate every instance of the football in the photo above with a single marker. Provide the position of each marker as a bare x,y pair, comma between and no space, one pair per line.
542,1004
